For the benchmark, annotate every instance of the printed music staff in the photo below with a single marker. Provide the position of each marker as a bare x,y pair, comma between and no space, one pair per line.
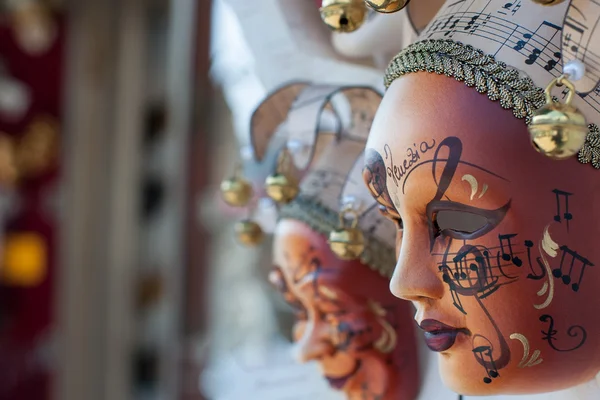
510,7
517,33
580,40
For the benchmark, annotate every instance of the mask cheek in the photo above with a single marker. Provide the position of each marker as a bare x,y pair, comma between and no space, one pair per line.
356,336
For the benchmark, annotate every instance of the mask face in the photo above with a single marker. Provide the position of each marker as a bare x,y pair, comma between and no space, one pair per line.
497,244
347,321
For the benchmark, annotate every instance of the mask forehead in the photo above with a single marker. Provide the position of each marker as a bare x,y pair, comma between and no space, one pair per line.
407,133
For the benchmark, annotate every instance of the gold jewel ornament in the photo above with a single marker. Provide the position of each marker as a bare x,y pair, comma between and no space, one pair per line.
386,6
548,2
236,191
343,15
558,130
281,186
347,243
249,233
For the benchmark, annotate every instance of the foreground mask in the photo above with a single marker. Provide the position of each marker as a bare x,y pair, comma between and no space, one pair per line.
497,242
348,322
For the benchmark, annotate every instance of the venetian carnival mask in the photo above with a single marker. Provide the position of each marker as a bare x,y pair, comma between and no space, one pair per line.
347,321
497,243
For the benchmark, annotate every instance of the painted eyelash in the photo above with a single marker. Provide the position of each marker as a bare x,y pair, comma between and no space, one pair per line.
436,231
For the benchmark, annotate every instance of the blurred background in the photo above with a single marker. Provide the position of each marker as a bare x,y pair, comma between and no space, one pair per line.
120,277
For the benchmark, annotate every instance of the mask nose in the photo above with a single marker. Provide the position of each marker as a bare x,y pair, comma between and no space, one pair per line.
416,276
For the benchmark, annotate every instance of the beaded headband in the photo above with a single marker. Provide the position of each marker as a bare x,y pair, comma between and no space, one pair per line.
509,51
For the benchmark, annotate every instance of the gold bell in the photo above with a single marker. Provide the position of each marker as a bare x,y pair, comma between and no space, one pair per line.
281,187
343,15
347,243
558,130
386,6
236,191
548,2
248,232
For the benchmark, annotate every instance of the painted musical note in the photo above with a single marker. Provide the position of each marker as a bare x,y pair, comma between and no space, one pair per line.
573,331
576,260
505,240
534,275
452,286
565,196
460,267
484,356
471,265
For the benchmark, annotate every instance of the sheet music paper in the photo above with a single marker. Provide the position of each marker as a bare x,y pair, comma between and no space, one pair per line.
305,115
303,121
329,173
337,173
523,34
270,114
581,40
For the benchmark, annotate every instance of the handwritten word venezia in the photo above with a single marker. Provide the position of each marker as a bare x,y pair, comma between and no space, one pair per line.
413,155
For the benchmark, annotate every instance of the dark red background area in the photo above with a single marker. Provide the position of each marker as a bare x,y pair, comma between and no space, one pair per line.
26,314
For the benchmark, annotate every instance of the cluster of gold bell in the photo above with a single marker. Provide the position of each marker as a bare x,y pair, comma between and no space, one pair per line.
349,15
237,192
347,242
558,130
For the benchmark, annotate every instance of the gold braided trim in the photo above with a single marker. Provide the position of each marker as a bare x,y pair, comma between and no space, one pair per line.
377,255
494,78
590,153
474,68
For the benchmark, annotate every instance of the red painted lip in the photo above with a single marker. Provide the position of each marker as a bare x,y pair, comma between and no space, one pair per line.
339,383
439,336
